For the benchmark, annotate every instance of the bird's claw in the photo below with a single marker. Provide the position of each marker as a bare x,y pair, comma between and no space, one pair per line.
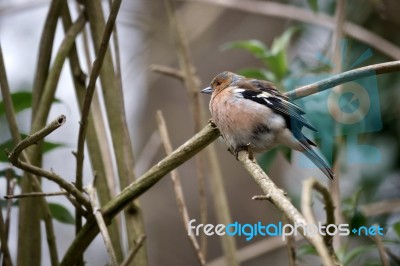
244,148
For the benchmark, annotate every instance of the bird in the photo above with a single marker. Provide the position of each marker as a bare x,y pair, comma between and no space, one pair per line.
253,115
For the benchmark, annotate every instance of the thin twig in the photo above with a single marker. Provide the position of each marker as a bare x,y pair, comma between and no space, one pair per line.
278,198
45,51
288,11
10,190
116,115
168,71
340,17
291,245
47,96
91,191
36,194
94,74
117,52
180,199
381,248
192,84
134,251
33,139
306,206
4,243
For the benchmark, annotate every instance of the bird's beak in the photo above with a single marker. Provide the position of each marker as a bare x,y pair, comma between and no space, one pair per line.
207,90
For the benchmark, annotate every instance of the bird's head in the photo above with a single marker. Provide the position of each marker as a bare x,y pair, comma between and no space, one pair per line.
221,81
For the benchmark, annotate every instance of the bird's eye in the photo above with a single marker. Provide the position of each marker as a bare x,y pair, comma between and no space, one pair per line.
218,83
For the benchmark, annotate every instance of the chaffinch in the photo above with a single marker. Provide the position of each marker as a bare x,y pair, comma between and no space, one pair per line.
253,115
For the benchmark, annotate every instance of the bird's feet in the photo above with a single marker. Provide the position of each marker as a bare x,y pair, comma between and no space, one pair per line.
244,148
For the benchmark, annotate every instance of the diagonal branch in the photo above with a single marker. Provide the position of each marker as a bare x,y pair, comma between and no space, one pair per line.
277,197
162,127
358,73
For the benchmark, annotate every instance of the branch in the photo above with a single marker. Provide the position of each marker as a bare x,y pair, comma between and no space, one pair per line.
89,92
168,71
192,84
358,73
33,139
306,206
94,74
381,248
134,251
277,197
162,127
35,194
4,243
91,191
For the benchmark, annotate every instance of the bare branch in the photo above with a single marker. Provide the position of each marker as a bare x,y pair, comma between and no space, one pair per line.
180,199
358,73
168,71
306,206
33,139
35,194
134,251
382,250
91,191
278,198
4,243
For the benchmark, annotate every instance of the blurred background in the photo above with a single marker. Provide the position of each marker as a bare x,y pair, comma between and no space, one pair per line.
285,44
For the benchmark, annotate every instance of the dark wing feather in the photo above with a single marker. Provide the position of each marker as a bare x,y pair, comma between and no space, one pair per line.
316,159
266,94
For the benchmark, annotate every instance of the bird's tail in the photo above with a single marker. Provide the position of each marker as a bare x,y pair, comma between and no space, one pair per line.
316,159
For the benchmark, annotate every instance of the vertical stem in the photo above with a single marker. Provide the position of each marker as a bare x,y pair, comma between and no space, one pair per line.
340,16
115,109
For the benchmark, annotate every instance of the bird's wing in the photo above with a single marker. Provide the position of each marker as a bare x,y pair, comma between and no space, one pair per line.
265,93
316,159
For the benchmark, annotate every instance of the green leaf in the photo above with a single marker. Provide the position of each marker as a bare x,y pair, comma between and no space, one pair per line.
313,5
396,228
276,59
21,100
61,214
258,74
282,42
9,145
255,47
